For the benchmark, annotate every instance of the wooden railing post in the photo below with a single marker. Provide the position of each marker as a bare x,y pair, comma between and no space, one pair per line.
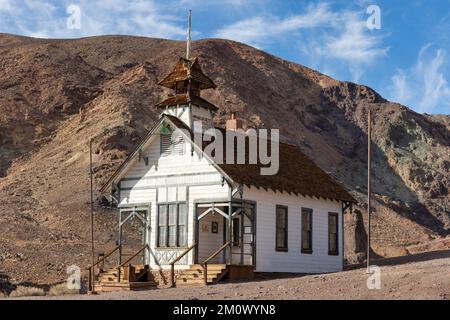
90,279
205,273
205,263
172,275
91,269
172,263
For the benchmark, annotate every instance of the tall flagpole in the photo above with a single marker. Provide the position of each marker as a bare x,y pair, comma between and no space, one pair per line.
188,44
369,160
92,219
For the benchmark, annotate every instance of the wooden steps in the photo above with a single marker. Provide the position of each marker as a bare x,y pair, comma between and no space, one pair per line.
136,277
195,275
124,286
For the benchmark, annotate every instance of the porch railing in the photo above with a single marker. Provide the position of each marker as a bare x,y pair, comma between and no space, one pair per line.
205,263
172,263
91,269
129,259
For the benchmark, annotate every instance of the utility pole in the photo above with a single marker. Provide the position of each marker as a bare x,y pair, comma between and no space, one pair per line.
369,160
92,219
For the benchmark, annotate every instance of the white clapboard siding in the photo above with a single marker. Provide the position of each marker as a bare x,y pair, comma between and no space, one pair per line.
182,112
270,260
170,178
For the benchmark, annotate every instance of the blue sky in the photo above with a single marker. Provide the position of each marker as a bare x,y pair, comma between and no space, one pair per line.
406,60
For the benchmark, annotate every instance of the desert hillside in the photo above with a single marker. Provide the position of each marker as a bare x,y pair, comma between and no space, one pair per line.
57,94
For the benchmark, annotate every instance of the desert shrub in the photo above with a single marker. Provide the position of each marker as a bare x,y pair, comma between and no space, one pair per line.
3,295
61,289
22,291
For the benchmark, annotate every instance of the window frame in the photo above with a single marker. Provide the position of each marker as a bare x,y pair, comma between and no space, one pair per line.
308,250
167,224
335,252
236,232
286,228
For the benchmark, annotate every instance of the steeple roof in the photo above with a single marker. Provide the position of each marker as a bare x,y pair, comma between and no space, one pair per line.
187,70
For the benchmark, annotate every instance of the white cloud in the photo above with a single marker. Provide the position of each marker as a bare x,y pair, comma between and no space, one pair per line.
354,44
260,30
424,85
47,18
7,6
325,37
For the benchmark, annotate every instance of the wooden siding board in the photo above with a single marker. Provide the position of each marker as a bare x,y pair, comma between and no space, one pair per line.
269,260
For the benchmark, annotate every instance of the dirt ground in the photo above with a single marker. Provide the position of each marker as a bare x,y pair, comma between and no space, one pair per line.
420,276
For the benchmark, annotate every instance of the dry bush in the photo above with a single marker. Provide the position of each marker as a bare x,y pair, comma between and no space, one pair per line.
61,289
3,295
22,291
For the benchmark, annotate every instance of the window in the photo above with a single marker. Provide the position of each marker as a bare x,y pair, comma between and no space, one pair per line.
307,230
236,232
172,225
172,143
281,228
333,239
182,224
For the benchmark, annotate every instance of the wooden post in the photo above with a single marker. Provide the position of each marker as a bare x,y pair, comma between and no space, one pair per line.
172,275
205,273
92,274
369,160
119,242
230,211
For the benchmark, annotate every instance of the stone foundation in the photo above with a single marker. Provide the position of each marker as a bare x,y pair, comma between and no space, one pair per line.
162,277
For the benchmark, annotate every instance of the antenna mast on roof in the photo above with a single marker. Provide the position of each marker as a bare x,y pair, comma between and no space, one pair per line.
188,44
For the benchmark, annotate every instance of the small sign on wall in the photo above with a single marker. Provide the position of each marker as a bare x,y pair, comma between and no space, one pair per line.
214,227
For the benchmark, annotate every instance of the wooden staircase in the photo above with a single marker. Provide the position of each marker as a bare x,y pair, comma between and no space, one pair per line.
195,275
137,277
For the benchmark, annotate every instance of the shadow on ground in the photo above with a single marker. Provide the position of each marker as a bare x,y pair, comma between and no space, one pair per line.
418,257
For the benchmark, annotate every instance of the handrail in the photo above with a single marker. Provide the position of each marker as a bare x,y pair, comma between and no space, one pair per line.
205,263
133,256
91,269
128,260
172,263
217,252
104,257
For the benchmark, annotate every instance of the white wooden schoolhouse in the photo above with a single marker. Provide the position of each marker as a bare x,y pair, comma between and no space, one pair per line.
203,221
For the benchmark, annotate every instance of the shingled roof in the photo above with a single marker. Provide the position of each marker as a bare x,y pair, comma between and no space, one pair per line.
187,70
297,173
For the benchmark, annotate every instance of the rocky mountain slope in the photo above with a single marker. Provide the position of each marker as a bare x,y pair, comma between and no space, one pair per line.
57,94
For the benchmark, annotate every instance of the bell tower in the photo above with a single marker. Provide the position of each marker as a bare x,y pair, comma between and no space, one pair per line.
187,80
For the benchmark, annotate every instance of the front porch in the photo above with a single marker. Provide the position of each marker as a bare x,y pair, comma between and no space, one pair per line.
224,243
222,236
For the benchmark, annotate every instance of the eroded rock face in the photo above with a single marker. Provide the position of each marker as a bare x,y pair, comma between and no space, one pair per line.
58,94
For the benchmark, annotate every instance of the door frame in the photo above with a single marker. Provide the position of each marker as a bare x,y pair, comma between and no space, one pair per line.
234,203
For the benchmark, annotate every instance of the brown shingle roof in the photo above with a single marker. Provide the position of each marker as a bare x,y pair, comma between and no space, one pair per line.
185,99
297,173
187,69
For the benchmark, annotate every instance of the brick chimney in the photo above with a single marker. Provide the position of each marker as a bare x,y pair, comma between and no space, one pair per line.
233,123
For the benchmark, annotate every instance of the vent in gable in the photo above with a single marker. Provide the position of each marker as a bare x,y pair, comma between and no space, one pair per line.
179,147
165,145
172,144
